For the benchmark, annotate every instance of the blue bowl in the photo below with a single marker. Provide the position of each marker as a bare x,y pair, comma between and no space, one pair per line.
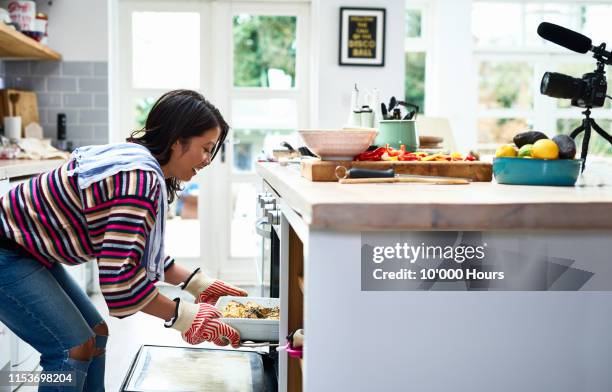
525,171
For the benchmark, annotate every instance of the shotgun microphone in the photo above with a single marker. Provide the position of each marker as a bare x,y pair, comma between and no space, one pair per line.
565,37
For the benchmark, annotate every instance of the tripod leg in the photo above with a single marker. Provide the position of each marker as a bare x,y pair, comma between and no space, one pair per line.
576,131
585,141
600,131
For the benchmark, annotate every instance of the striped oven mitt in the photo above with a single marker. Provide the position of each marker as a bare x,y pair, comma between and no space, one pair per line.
198,323
208,290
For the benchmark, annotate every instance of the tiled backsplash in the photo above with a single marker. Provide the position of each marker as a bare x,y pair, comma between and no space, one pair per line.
79,89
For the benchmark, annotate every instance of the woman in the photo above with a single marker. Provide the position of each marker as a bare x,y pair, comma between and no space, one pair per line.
109,203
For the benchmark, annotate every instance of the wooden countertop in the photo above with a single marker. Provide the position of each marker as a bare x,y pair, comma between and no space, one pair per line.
12,168
477,206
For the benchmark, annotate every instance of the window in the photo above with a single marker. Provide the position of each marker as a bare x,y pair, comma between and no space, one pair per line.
264,51
416,54
155,50
511,59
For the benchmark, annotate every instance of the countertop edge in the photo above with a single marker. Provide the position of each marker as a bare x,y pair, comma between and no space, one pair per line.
14,168
536,216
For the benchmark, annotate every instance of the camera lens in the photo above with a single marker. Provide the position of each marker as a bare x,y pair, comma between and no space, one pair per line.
558,85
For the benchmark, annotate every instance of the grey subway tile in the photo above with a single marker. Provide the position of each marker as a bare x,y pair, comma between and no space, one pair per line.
93,116
45,68
101,133
101,68
42,116
50,131
77,100
79,131
99,85
17,68
61,84
77,68
101,101
49,100
35,83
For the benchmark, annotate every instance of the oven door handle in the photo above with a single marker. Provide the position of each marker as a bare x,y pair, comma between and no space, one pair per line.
260,227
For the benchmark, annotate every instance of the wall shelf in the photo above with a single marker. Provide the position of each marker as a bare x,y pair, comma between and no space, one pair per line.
17,46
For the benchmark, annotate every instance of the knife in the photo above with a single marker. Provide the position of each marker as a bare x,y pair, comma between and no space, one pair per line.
369,176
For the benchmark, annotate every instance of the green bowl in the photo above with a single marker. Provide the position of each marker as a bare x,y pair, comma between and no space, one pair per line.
525,171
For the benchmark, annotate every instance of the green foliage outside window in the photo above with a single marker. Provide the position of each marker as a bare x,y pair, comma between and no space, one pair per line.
143,107
415,79
413,23
262,43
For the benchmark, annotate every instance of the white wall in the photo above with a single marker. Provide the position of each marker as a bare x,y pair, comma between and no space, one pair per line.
331,95
78,29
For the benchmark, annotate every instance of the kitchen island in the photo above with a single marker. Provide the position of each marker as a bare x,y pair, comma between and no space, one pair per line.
540,335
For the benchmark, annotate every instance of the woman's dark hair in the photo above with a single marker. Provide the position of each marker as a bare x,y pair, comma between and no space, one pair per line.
178,115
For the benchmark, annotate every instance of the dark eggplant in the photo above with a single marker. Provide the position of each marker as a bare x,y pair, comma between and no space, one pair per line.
567,146
529,137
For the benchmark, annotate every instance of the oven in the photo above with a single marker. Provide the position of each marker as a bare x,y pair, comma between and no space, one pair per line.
267,226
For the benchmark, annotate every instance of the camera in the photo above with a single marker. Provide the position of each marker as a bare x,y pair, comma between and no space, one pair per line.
586,92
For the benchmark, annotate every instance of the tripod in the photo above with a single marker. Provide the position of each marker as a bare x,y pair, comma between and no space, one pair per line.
587,124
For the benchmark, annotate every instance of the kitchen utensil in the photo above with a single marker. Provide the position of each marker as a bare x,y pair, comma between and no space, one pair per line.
476,171
335,144
258,330
367,176
14,98
287,146
523,171
398,132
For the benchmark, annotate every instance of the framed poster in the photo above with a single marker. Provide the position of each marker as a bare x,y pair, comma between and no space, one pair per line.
362,36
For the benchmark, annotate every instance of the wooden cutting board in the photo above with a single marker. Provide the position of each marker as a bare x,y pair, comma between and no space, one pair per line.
26,108
475,171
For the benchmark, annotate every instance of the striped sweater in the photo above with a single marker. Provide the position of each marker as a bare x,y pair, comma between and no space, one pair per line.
55,221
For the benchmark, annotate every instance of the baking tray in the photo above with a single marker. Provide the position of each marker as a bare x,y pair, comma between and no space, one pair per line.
256,330
186,369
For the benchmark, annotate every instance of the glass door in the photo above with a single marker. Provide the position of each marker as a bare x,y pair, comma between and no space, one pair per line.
162,46
250,59
263,71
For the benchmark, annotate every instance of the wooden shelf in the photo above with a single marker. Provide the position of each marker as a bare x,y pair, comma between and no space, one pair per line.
17,46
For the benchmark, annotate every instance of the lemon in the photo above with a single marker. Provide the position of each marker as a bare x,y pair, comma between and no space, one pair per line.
545,149
525,151
507,150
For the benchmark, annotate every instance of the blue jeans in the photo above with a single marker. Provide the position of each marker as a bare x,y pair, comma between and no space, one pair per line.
48,310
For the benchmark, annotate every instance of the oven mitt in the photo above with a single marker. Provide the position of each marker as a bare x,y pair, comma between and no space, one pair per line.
208,290
199,322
